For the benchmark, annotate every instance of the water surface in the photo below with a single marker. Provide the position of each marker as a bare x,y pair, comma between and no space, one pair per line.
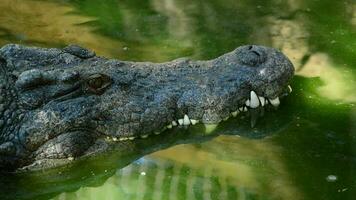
304,150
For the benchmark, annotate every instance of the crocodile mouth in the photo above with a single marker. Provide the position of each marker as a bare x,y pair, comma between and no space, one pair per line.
252,102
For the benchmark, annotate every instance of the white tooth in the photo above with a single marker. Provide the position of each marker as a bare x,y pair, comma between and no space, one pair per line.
275,102
266,101
131,138
70,158
290,89
226,118
157,133
174,123
169,126
245,109
247,102
186,120
254,100
234,114
194,121
123,138
180,121
241,109
114,139
144,136
262,100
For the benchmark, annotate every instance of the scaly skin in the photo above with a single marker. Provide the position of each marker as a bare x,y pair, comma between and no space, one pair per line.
67,103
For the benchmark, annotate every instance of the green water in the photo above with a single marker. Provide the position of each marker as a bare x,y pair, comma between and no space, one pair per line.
304,150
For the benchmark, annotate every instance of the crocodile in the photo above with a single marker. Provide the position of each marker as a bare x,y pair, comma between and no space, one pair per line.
60,105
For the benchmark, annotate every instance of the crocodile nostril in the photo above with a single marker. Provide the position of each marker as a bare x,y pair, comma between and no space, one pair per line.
251,55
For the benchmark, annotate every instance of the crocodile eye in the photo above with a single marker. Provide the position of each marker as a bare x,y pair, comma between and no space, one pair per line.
97,83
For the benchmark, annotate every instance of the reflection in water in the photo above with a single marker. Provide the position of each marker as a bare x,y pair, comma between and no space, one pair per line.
249,165
199,173
311,136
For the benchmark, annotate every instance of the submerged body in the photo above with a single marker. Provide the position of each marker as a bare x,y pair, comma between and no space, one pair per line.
67,103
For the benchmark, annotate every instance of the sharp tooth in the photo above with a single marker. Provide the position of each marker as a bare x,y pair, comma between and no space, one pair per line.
290,89
254,100
114,139
241,109
144,136
262,100
266,101
169,126
245,109
131,138
123,139
247,102
194,121
180,121
275,102
234,114
157,133
174,123
186,120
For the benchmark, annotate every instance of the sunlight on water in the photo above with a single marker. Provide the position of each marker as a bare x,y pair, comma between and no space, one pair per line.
303,150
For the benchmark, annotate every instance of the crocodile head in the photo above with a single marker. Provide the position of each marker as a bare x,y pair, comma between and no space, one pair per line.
58,105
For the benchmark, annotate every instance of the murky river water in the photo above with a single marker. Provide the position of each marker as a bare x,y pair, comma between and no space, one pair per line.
304,150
